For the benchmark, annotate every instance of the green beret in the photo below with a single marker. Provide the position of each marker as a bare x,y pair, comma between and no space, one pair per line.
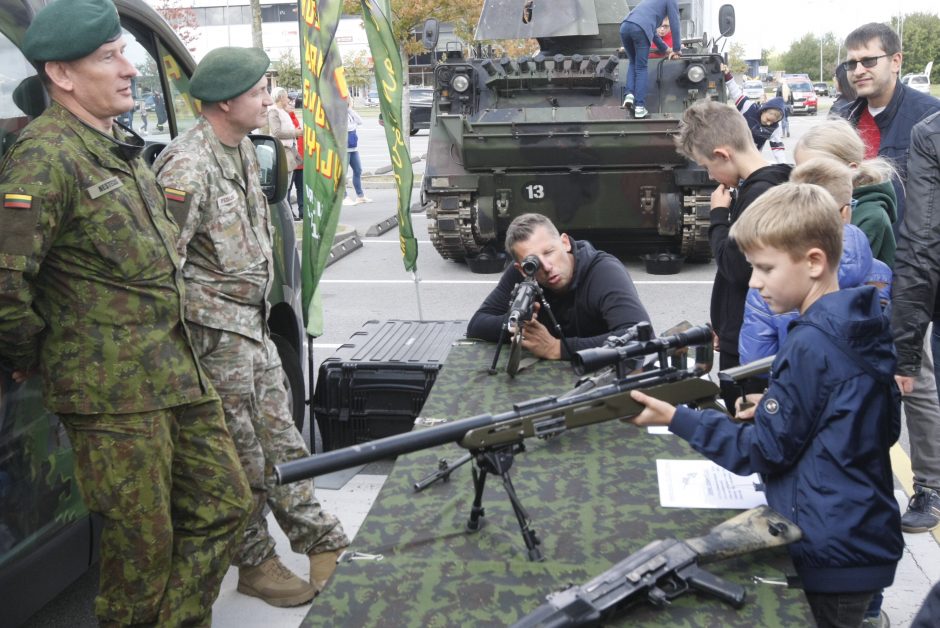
228,72
71,29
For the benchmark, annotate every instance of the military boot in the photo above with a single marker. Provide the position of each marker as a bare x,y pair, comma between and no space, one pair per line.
275,584
322,566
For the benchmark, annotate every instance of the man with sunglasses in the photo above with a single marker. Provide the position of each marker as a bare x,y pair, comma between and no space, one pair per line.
884,111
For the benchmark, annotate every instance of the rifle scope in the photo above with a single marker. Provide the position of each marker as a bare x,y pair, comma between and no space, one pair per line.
589,360
530,265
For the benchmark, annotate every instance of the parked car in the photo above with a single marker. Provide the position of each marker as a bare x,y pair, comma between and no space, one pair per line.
920,82
420,101
371,99
754,90
802,96
821,89
47,537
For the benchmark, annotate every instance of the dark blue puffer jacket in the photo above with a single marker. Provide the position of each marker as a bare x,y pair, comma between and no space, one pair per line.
821,438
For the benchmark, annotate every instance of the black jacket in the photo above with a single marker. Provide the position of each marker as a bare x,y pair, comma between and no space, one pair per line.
730,288
601,301
906,108
917,259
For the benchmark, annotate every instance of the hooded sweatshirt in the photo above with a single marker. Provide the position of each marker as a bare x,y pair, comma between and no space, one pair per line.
730,288
875,213
601,301
821,438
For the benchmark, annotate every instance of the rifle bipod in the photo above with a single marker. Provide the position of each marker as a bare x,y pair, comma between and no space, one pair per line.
498,461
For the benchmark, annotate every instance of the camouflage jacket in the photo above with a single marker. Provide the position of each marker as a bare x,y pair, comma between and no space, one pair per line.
226,231
90,288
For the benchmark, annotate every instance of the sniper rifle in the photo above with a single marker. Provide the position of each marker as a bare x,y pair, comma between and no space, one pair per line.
493,440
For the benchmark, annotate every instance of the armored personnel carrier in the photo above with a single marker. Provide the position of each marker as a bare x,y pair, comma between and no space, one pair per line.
546,133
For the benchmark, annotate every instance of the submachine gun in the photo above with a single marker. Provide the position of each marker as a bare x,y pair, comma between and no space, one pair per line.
521,309
493,440
664,570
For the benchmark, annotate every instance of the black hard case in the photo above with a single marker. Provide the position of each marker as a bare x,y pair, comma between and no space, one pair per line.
376,383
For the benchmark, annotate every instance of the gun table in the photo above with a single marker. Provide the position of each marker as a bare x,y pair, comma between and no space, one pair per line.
592,498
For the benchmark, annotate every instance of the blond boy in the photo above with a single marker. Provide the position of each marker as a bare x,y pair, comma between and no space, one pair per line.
821,432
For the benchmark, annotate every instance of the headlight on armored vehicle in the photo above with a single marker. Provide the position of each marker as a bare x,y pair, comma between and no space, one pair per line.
460,83
695,73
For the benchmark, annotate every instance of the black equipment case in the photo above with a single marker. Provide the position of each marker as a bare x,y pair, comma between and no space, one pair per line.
376,383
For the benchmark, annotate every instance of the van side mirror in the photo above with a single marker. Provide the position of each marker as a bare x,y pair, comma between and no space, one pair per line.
273,162
726,20
430,33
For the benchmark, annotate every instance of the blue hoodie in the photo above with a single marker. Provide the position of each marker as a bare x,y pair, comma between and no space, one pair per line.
821,439
763,331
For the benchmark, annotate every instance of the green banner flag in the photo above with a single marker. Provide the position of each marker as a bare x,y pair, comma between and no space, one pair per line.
389,79
325,102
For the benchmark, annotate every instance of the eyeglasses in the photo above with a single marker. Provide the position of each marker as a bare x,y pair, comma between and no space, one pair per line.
868,62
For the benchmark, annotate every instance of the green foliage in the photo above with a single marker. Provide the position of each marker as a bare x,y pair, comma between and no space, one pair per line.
288,71
921,34
736,59
804,56
408,15
358,69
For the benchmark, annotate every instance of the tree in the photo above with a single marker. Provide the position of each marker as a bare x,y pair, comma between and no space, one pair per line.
736,59
409,15
182,19
288,71
256,40
358,70
921,43
804,56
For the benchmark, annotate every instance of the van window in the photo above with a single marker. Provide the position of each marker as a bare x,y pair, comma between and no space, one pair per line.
919,79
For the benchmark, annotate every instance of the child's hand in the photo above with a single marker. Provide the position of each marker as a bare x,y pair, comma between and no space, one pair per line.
656,412
905,384
745,407
721,197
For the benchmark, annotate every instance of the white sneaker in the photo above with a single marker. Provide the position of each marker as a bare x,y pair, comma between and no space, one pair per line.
627,102
348,201
640,112
363,199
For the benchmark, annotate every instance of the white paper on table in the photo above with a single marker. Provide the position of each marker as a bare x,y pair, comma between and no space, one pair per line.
703,484
658,429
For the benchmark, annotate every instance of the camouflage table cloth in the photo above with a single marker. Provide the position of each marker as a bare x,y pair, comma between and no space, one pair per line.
591,494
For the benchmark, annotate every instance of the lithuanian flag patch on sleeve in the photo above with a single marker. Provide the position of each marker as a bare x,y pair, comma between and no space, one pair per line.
172,194
17,201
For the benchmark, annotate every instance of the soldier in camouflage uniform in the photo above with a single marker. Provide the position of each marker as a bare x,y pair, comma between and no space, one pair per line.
91,295
211,179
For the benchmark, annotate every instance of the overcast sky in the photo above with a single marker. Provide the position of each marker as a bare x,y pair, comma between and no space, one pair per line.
777,23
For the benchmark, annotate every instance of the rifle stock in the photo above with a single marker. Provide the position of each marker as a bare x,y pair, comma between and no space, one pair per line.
538,417
665,569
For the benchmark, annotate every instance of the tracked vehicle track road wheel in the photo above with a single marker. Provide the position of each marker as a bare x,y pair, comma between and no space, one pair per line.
695,223
453,231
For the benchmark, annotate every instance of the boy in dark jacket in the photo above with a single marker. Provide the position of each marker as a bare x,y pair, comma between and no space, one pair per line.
717,138
821,433
590,293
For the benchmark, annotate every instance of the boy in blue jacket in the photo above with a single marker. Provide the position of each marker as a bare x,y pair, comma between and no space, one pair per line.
822,430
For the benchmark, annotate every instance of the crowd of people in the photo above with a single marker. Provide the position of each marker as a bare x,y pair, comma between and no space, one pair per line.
140,295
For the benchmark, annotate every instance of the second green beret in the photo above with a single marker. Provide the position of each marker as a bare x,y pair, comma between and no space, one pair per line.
228,72
71,29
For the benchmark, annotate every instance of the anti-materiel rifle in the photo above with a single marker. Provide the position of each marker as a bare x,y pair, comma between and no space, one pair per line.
493,440
664,570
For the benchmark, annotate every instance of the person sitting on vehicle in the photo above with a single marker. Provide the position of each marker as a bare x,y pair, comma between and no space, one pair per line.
665,33
764,120
590,292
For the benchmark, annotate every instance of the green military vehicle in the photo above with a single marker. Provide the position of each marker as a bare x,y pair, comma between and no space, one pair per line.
47,538
547,134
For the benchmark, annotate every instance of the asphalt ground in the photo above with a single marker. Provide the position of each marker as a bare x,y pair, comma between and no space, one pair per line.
370,284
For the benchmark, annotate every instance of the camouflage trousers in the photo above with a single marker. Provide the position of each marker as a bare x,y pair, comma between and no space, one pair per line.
248,377
173,497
